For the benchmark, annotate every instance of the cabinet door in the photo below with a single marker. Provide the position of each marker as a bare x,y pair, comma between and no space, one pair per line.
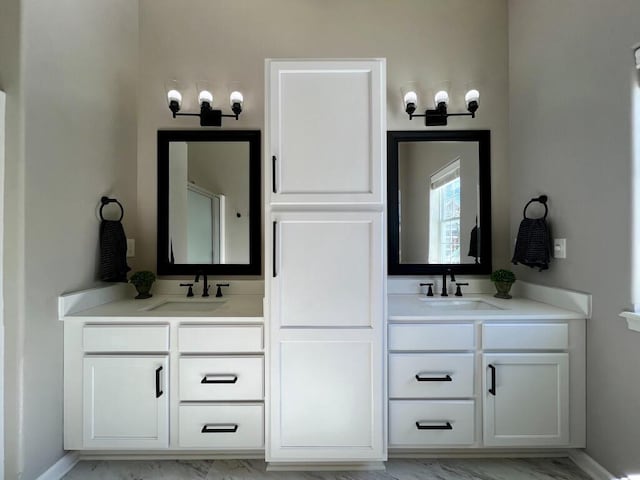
526,399
327,131
328,269
125,402
327,396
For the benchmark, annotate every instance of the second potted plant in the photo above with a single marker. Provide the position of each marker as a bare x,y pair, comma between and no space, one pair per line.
503,279
142,281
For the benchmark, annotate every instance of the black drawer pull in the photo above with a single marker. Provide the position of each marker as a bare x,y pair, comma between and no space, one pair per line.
219,379
445,378
492,388
446,426
159,391
219,428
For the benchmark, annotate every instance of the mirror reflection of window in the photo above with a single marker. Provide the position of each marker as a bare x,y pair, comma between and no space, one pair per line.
438,204
444,215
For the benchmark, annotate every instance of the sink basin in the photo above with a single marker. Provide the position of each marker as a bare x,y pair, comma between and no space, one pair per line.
456,304
186,306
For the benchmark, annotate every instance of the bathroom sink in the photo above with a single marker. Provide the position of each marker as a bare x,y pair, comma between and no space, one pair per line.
187,306
457,304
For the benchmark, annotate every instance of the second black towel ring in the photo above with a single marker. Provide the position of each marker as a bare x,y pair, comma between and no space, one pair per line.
541,199
106,201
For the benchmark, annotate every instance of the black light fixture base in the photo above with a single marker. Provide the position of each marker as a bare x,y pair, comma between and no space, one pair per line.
435,118
210,118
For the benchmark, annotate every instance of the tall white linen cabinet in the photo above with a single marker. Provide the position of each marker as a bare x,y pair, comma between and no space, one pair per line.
325,267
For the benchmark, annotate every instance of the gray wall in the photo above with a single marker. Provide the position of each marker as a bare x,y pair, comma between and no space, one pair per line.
75,140
429,41
10,82
571,75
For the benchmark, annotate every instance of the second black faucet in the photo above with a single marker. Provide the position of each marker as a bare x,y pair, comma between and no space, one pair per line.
205,288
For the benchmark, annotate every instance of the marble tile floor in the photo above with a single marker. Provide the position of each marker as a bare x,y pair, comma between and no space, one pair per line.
422,469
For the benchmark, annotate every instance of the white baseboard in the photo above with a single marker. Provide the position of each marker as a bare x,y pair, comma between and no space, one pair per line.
590,466
61,467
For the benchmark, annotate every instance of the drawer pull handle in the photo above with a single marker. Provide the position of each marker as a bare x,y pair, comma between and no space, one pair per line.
446,426
492,388
219,428
219,379
159,391
445,378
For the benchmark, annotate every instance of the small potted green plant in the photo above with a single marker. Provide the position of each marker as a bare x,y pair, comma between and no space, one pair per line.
503,279
142,281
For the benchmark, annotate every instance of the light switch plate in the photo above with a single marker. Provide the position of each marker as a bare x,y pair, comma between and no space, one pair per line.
560,247
131,247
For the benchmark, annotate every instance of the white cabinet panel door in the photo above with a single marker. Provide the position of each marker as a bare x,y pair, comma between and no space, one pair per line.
327,122
328,269
125,402
328,397
526,399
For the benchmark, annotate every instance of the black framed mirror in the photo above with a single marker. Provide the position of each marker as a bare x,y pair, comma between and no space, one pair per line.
209,202
439,202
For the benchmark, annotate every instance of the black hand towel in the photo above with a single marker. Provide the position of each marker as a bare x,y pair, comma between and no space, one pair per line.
533,247
474,243
113,252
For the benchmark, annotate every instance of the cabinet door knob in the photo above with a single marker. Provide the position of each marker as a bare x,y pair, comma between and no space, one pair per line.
421,377
159,391
219,428
219,378
446,426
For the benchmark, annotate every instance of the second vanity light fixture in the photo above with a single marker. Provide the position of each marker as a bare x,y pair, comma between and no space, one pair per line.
439,115
209,117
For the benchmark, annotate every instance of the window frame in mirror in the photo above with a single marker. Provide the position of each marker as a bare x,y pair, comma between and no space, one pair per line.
253,137
483,138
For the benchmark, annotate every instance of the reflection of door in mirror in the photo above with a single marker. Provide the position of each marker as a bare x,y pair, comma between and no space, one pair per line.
205,227
439,206
209,202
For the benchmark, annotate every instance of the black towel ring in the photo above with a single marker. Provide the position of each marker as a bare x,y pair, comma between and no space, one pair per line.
541,199
106,201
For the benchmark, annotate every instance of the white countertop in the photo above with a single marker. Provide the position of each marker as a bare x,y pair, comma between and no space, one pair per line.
229,306
412,307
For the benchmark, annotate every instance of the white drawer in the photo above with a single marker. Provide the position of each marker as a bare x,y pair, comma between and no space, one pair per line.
221,426
432,336
125,338
525,336
442,423
220,338
221,378
431,375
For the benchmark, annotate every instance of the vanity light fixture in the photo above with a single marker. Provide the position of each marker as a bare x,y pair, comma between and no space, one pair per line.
439,115
209,117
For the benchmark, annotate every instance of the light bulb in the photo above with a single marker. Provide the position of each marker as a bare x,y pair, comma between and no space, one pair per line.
205,96
441,97
472,96
174,96
236,97
410,97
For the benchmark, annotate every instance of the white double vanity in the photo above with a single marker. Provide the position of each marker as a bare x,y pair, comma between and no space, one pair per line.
325,361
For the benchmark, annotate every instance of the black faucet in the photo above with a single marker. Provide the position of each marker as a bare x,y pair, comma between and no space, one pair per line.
205,288
444,281
219,292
